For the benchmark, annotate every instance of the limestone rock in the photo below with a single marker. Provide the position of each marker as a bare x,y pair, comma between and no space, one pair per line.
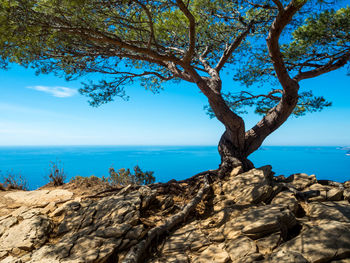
286,199
31,232
260,221
321,243
250,187
326,193
39,198
300,181
283,256
240,247
189,237
346,194
212,254
88,230
337,211
267,244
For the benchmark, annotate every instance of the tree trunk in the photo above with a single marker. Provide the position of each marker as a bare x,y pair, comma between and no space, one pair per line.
232,155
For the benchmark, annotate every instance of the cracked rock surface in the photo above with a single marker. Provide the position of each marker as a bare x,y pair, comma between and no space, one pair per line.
247,217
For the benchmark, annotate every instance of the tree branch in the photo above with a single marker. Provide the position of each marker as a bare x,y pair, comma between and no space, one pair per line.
228,51
280,113
281,21
192,31
278,4
340,62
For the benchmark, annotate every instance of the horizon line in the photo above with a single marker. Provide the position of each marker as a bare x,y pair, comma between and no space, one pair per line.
166,145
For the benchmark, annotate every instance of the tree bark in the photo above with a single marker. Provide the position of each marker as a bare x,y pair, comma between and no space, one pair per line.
231,155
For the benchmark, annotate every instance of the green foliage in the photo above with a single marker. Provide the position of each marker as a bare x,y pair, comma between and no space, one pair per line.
133,42
323,37
239,103
57,176
75,38
124,176
12,181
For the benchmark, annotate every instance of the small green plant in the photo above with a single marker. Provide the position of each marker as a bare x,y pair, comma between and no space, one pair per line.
57,176
12,181
124,176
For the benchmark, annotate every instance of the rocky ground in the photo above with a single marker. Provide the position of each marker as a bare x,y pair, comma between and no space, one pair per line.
245,217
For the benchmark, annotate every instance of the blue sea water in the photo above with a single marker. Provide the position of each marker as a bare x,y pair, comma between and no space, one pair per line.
168,162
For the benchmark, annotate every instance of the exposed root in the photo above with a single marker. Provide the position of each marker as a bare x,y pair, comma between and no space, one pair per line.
137,252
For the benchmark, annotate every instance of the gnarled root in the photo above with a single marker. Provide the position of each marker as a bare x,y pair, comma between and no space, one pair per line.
137,252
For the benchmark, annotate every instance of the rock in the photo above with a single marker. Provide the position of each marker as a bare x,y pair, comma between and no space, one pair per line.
326,193
286,199
346,260
251,187
236,171
335,194
39,198
91,230
214,254
283,256
216,236
240,247
260,221
320,243
346,194
11,259
147,195
28,234
267,244
178,257
300,181
337,211
347,184
188,237
254,257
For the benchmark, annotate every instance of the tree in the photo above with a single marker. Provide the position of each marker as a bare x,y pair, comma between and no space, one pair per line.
153,42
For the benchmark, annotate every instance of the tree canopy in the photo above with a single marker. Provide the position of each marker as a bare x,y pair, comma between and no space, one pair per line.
259,43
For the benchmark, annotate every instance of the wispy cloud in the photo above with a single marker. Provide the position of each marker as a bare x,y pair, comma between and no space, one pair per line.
60,92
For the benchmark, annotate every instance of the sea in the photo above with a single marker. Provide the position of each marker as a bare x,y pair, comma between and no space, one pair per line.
167,162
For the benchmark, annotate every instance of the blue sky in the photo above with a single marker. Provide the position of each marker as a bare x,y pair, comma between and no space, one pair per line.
47,110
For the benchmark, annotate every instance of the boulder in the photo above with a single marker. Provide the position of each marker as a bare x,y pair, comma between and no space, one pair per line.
337,211
283,256
286,199
88,230
251,187
39,198
189,237
320,243
326,193
240,248
259,222
26,234
300,180
346,194
214,254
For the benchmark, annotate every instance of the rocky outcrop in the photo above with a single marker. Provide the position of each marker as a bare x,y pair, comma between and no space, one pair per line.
247,217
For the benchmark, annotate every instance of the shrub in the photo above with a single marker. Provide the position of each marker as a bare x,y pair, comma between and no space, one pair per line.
57,175
87,182
124,176
12,181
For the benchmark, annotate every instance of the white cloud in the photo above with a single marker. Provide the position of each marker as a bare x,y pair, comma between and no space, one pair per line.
60,92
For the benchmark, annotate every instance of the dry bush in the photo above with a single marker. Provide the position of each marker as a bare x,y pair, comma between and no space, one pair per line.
12,181
57,176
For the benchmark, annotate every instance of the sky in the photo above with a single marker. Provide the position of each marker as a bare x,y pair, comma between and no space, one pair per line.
48,110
